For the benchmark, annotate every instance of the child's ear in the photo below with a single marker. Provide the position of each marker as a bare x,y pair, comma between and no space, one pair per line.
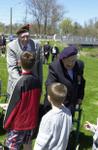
19,63
48,98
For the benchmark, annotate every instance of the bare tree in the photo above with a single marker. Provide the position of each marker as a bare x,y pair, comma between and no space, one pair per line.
45,12
34,9
56,17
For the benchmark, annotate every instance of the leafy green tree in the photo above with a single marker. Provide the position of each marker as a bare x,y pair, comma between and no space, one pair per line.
66,26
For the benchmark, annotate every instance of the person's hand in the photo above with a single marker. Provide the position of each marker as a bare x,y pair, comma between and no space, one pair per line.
89,126
4,106
79,101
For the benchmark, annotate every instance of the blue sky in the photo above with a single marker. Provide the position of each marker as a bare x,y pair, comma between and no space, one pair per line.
78,10
81,10
18,11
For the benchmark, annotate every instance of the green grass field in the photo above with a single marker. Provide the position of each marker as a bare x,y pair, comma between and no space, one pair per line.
90,102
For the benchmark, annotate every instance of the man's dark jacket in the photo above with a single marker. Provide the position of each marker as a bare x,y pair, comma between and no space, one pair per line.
57,73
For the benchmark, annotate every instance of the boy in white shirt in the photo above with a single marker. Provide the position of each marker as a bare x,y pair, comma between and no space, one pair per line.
56,125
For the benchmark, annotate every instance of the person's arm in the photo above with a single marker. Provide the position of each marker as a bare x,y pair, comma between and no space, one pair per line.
57,49
52,75
81,82
13,105
43,136
38,64
12,64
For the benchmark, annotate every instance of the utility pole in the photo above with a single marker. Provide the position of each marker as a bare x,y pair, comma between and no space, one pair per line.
25,18
11,17
11,20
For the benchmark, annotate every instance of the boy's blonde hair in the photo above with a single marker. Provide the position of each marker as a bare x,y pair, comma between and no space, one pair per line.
57,93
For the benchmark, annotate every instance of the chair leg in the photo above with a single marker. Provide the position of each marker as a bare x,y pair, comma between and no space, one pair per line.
78,126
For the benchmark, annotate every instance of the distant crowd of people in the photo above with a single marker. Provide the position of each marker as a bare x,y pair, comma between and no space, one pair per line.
2,44
47,50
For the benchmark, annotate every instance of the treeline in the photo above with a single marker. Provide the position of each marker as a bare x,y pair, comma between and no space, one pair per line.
49,19
65,27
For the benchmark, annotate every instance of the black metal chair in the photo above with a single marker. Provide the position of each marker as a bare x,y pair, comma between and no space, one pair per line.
73,143
76,123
